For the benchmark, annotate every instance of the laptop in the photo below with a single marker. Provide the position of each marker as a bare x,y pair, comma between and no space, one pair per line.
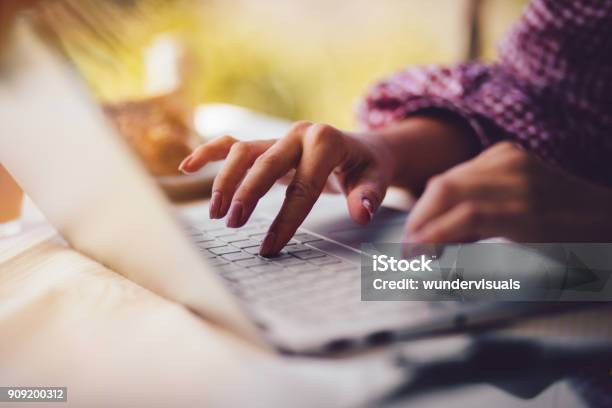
69,159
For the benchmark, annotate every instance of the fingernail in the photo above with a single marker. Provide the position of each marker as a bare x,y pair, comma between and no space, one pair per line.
267,246
185,163
235,214
215,205
367,204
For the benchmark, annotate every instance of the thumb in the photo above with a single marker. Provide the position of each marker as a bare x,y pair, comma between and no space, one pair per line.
365,196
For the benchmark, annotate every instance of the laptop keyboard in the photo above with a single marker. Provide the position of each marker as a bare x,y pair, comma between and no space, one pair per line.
306,283
300,268
235,253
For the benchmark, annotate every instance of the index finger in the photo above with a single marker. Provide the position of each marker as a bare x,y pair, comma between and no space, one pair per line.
322,152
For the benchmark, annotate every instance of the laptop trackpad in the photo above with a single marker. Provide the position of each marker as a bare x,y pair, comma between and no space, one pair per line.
330,218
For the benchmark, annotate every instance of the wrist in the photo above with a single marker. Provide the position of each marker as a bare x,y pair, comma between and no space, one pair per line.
427,144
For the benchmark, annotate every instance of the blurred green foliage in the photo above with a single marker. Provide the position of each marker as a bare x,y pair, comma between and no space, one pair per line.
298,59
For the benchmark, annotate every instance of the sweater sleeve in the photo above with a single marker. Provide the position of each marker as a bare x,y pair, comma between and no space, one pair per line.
550,91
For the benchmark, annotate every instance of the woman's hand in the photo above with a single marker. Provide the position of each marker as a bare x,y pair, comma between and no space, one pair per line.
506,192
361,167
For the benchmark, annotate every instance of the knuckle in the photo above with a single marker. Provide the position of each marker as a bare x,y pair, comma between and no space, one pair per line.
299,126
511,154
441,187
240,148
323,128
267,160
504,146
301,189
227,139
322,133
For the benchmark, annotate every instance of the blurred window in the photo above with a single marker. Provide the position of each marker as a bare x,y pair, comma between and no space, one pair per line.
309,59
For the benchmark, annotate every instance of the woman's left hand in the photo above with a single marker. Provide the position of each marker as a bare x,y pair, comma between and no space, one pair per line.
505,192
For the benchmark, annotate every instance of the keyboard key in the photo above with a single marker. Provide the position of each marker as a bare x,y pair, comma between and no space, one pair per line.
302,267
223,233
324,260
339,251
233,238
289,260
217,228
217,262
266,268
202,238
261,281
252,250
207,254
345,266
258,219
224,250
251,229
281,254
230,267
245,244
237,274
237,256
310,254
297,248
303,237
210,244
259,236
254,261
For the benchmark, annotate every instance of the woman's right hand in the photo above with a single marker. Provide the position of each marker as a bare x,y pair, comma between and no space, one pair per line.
314,156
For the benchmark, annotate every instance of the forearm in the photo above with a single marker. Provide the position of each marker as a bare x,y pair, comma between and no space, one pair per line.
551,97
426,144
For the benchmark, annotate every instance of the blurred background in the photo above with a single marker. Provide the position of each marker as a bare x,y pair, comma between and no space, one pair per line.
295,59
